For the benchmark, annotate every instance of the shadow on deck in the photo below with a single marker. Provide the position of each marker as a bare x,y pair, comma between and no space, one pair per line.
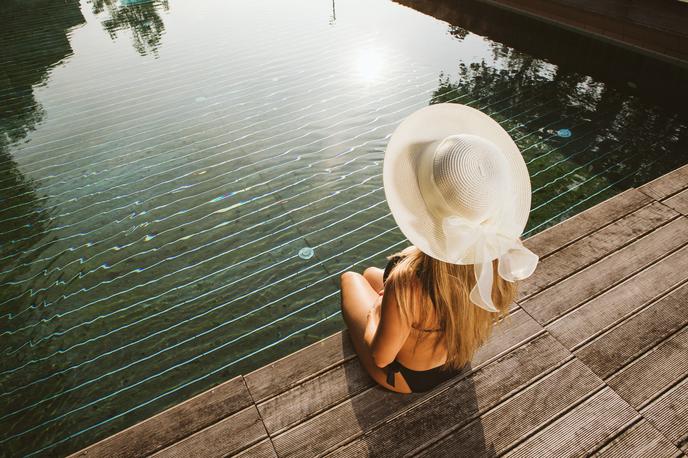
593,361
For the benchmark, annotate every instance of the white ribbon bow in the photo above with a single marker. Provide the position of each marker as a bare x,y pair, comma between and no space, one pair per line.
468,242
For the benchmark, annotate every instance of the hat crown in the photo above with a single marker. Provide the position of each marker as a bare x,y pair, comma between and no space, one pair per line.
472,175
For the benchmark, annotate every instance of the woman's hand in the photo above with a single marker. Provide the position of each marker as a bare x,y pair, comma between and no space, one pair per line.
375,311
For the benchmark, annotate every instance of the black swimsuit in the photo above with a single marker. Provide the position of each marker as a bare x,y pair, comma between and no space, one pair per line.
416,380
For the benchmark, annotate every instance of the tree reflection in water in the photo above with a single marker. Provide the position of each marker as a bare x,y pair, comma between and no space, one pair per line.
28,53
141,17
585,138
579,137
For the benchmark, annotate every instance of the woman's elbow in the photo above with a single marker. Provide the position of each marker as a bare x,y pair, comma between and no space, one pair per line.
381,361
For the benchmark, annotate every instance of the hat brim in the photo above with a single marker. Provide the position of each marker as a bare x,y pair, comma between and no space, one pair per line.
411,139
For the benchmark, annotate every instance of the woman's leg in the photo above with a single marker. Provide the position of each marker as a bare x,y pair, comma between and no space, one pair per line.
358,296
374,277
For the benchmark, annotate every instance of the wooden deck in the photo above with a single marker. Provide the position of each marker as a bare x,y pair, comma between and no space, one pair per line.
592,361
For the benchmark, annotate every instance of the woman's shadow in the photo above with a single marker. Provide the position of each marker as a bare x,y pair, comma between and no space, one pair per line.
440,422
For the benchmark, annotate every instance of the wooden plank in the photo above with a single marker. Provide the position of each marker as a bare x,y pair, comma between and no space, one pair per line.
262,449
581,430
580,287
521,415
669,414
225,437
291,370
666,185
175,423
506,335
624,299
641,440
317,394
586,222
679,202
595,246
460,412
327,389
652,373
616,348
363,412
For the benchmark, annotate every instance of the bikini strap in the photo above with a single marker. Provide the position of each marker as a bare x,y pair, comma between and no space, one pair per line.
392,368
427,330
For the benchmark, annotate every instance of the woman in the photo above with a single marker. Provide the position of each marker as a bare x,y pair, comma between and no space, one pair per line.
459,190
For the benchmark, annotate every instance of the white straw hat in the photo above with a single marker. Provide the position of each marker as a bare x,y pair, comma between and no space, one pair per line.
459,190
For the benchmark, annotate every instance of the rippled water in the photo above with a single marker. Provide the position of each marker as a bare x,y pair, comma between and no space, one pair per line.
182,182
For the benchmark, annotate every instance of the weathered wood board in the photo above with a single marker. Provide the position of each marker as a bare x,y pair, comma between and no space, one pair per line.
174,424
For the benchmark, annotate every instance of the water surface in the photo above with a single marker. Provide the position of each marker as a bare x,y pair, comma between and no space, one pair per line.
163,164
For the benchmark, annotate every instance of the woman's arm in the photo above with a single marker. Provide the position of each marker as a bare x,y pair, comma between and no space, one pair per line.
386,330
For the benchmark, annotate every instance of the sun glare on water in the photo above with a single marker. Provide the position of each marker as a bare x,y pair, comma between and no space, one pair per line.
369,65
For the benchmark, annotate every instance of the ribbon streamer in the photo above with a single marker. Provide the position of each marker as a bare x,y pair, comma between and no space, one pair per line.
468,242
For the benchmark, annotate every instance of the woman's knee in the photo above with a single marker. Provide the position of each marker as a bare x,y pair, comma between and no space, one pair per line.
346,281
371,271
349,277
374,276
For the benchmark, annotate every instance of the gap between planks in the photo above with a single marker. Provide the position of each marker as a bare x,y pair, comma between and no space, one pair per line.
630,241
262,421
629,316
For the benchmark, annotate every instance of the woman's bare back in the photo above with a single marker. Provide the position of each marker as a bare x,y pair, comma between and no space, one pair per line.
422,357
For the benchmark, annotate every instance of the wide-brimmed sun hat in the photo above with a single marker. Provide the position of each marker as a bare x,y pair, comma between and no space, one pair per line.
459,189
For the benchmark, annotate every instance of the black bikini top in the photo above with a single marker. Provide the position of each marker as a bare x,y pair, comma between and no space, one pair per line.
390,265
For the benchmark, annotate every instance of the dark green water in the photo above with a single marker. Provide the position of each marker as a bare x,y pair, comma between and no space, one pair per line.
163,163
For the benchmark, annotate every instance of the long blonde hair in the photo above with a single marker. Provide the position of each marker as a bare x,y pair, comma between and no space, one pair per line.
466,327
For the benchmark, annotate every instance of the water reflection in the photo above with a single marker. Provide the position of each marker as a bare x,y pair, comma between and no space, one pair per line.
181,191
577,136
582,138
141,17
34,38
628,71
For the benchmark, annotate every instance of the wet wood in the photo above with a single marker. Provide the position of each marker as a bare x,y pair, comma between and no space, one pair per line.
585,251
642,440
593,280
175,423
